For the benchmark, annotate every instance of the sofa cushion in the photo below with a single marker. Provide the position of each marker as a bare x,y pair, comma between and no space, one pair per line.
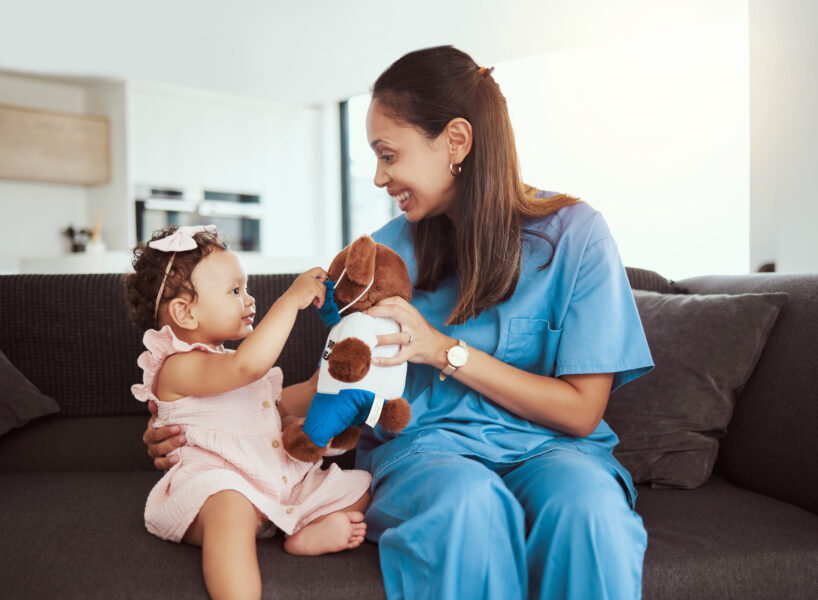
704,347
721,541
20,400
86,536
89,444
77,444
82,535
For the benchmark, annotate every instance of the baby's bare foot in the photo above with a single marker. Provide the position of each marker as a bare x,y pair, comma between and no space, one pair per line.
333,533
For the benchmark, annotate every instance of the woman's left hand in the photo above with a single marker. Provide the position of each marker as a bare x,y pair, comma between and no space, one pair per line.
419,342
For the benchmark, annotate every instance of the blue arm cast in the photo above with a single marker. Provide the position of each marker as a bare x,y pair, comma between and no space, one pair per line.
330,414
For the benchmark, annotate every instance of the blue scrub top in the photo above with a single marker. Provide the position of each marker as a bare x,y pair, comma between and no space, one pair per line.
575,316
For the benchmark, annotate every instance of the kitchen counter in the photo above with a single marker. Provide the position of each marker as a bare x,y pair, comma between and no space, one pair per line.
120,262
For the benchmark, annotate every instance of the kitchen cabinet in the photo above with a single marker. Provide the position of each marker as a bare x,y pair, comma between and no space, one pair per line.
194,140
52,146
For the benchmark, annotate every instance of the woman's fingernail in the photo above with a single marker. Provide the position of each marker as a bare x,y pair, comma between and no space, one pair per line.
174,459
182,439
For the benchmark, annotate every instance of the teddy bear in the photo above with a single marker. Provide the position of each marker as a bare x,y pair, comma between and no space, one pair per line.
351,390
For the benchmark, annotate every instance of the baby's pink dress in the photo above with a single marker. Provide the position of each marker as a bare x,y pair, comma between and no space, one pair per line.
234,443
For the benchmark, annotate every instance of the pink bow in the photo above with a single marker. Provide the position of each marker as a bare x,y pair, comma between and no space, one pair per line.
181,239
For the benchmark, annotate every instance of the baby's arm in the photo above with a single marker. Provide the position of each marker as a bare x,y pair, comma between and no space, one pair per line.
296,398
206,373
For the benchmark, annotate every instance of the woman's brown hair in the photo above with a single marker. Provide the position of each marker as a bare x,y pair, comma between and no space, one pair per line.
427,89
149,264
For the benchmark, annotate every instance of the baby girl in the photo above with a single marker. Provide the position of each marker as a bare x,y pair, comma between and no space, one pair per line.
232,481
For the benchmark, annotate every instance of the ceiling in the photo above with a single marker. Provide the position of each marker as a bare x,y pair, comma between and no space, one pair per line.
306,52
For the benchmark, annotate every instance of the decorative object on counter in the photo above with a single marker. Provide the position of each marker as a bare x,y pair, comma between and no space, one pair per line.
78,237
96,245
86,240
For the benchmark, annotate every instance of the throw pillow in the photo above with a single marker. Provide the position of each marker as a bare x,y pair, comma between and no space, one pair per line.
20,400
705,348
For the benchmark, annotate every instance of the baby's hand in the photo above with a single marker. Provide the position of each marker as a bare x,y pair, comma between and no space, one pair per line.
308,288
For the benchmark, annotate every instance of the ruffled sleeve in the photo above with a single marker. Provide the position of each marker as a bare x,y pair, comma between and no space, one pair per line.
160,344
275,379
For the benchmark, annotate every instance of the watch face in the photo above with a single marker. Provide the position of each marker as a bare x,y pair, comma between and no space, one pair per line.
457,356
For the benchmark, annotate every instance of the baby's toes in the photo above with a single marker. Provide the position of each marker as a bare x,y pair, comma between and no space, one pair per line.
359,529
355,516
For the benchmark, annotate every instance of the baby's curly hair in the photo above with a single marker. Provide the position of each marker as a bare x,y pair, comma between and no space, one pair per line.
149,264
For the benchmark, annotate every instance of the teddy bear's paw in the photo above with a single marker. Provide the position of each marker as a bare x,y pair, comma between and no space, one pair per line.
350,360
395,415
299,446
347,439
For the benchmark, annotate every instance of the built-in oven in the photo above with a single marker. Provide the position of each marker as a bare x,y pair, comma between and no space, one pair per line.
237,216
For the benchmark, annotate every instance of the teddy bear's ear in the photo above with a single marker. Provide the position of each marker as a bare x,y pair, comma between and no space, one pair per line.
360,263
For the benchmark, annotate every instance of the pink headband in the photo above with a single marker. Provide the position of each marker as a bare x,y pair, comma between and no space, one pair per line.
178,241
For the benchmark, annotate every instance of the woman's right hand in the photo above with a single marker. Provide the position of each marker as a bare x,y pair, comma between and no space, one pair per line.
419,342
161,441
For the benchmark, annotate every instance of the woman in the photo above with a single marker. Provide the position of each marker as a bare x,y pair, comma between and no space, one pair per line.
522,322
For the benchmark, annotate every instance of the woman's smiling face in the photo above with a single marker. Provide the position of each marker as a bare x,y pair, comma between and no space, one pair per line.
413,168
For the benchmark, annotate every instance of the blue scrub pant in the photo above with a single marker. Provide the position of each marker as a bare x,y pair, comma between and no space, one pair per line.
559,525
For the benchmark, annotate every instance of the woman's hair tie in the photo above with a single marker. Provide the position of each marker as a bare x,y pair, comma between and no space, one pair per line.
485,71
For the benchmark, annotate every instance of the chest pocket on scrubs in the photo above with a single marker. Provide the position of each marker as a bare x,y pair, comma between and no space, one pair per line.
532,345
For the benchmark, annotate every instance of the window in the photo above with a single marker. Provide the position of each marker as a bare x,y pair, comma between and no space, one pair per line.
365,207
651,130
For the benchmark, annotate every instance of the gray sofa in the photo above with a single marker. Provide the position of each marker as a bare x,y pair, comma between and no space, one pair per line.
73,484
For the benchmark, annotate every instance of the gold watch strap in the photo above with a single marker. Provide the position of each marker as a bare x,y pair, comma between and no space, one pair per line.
450,368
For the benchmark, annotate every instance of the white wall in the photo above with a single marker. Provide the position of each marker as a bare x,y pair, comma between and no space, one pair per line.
111,202
784,133
32,215
783,127
653,131
307,52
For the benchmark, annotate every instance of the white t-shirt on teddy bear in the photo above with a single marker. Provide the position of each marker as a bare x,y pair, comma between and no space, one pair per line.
386,382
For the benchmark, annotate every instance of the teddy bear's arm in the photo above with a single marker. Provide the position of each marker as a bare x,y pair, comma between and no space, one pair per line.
350,359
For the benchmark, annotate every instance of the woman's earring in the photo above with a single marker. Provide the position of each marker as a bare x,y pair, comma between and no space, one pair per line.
455,169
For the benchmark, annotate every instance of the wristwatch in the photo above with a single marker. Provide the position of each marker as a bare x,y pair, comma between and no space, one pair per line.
457,356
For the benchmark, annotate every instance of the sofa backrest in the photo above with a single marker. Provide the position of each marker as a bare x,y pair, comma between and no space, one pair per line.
70,335
772,440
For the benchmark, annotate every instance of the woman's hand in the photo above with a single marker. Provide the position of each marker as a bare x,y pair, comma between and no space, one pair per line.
162,441
572,403
419,342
